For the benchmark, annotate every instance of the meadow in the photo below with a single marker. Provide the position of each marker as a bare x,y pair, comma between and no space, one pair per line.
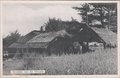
99,62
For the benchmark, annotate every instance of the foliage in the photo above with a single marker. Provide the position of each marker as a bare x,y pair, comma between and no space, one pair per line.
54,24
57,24
101,12
11,38
83,11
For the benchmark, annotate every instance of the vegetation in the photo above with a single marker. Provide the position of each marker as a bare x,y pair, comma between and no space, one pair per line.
57,24
104,13
99,62
11,38
54,25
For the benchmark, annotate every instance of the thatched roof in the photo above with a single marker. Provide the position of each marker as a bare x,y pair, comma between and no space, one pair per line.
108,36
43,37
18,45
47,37
42,40
29,36
35,39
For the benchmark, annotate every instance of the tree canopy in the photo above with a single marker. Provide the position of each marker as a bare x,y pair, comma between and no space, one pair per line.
57,24
11,38
99,14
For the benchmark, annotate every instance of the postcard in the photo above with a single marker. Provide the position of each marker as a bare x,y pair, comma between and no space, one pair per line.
60,39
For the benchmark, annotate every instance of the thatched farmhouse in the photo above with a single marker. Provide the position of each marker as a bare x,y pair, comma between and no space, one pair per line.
51,42
62,41
35,41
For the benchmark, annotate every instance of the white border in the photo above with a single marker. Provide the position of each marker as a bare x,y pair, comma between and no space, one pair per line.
59,76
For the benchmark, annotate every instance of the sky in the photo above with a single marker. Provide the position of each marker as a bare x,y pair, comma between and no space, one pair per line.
26,17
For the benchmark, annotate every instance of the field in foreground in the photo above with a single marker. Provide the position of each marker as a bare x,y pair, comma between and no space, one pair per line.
100,62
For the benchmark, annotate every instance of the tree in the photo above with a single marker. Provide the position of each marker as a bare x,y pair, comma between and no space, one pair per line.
83,11
57,24
106,11
53,24
98,11
11,38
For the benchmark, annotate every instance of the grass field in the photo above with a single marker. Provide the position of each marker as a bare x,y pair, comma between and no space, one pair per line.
100,62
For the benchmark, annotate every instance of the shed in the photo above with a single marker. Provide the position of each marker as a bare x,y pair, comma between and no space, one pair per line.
108,36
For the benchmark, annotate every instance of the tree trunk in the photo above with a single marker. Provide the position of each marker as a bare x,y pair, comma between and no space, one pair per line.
109,17
101,14
87,18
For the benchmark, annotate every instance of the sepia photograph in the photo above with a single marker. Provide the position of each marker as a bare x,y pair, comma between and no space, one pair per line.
59,38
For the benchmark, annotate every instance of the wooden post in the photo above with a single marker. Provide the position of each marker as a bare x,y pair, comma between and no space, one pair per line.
80,49
16,54
88,45
104,45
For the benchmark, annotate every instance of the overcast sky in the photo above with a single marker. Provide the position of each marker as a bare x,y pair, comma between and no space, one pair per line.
26,17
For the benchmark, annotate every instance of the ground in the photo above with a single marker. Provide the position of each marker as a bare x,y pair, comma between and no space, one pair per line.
99,62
